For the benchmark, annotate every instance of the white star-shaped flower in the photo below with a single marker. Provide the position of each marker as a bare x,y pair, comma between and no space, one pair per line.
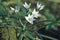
29,18
36,13
40,6
16,9
27,5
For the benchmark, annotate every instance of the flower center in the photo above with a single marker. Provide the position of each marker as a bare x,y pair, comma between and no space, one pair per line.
30,19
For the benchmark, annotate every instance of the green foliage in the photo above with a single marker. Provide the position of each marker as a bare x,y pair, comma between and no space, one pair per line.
16,20
57,1
49,15
28,34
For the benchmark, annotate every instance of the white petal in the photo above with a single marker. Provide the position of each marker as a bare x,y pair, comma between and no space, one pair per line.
26,3
38,5
41,7
29,15
29,4
12,8
31,22
35,13
26,18
16,10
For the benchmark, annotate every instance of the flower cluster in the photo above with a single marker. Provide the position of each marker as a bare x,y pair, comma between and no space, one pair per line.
35,14
39,6
30,18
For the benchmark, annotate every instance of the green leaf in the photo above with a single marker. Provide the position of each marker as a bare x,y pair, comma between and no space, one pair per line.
21,37
28,34
3,11
49,15
54,27
47,27
23,11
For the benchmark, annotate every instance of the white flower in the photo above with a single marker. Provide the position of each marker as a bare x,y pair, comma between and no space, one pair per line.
27,5
35,13
16,9
29,18
40,6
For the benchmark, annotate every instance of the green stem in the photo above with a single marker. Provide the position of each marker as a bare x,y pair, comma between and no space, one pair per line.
29,10
8,33
24,26
21,37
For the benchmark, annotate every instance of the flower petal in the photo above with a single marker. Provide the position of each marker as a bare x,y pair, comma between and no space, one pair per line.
12,8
